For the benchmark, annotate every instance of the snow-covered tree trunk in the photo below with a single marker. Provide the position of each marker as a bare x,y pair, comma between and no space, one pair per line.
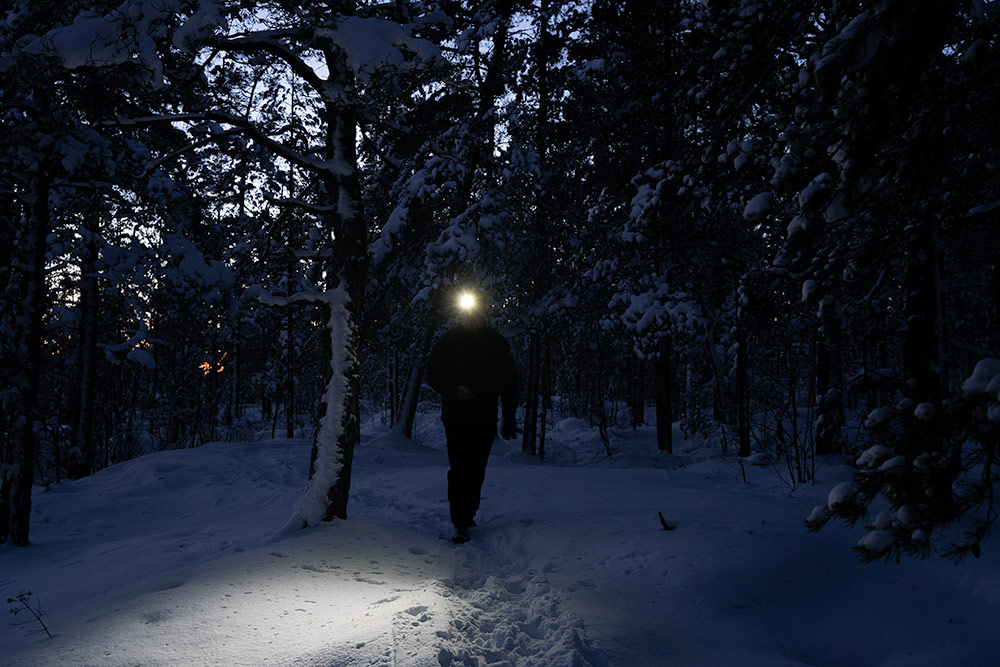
329,484
32,303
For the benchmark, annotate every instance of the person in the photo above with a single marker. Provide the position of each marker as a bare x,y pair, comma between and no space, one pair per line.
471,367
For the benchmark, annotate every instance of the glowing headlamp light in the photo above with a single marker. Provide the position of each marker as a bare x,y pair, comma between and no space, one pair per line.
467,301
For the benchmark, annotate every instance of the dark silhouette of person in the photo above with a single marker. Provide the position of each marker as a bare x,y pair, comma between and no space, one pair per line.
471,367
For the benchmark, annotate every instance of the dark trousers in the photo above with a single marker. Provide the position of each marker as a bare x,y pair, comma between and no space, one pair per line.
469,445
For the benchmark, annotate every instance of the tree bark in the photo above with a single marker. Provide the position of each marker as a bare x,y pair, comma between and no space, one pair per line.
32,304
664,406
351,269
529,442
546,397
290,355
829,374
408,405
742,387
82,427
923,341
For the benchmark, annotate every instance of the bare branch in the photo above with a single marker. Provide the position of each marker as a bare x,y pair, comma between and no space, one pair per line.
244,124
212,138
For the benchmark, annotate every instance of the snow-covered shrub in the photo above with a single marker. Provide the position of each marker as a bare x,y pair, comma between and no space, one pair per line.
932,468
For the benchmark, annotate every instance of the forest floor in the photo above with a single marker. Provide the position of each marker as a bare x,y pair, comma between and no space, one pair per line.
176,558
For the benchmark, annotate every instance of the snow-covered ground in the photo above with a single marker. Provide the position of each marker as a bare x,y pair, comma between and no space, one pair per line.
175,559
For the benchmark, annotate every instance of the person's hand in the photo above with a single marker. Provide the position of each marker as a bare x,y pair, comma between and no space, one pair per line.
463,393
509,429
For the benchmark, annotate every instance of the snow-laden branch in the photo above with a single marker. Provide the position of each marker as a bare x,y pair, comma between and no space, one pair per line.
298,297
267,41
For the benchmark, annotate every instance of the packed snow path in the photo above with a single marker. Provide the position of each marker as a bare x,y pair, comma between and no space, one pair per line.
172,559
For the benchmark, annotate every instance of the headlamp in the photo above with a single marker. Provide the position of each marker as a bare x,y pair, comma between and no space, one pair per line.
467,301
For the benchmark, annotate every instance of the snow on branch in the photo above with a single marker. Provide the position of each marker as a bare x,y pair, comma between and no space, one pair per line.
126,34
298,297
372,43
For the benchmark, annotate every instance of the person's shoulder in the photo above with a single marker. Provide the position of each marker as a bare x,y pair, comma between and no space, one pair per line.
496,336
444,338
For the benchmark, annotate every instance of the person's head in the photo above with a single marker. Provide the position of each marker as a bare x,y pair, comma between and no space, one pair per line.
471,309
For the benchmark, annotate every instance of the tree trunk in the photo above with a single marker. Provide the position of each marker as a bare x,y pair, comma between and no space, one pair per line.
829,380
82,431
995,309
290,355
546,397
664,406
529,439
636,390
32,309
408,406
742,388
328,489
923,356
922,345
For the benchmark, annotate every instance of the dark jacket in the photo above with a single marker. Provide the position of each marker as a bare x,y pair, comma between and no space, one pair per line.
479,358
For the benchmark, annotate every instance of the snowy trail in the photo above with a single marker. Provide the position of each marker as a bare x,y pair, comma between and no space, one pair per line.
172,559
169,560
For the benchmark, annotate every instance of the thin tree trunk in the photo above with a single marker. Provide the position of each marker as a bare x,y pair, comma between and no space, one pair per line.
408,408
529,438
32,301
664,406
742,388
922,349
922,346
83,429
546,397
290,354
829,373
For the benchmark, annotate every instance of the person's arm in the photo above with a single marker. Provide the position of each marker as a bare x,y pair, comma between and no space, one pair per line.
508,391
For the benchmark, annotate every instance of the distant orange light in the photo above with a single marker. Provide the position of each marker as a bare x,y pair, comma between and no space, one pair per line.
206,367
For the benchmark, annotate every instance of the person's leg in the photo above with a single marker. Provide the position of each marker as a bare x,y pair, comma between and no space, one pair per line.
461,463
481,438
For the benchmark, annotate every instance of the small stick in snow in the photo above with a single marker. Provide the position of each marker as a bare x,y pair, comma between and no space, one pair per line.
664,523
23,597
